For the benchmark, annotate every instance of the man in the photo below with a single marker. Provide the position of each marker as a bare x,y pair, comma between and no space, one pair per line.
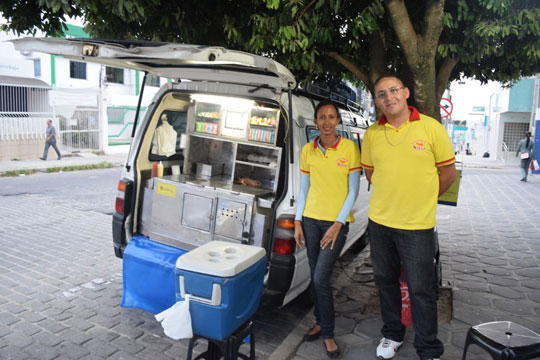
50,140
409,159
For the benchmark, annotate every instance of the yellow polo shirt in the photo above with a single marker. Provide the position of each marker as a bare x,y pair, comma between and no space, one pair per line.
405,176
329,177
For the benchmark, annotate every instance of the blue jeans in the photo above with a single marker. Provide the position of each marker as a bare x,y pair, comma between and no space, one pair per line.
321,264
415,250
525,163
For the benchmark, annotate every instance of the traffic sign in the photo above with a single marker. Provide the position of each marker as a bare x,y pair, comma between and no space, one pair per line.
446,108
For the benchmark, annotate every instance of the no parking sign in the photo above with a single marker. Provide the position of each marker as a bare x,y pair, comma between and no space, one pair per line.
446,107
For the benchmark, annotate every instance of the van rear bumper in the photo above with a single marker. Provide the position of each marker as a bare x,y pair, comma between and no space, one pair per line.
280,277
119,234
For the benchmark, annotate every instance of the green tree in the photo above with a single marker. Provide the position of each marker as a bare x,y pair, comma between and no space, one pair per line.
428,43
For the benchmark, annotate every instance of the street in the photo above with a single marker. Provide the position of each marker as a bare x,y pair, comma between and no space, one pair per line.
61,285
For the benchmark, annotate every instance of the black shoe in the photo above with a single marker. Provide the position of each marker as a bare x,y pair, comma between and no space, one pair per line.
59,158
334,354
312,337
523,179
42,158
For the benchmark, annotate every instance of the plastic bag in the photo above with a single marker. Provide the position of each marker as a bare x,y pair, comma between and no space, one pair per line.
176,320
534,165
406,318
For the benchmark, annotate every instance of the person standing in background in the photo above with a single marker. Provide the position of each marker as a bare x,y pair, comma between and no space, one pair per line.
409,160
50,140
525,147
329,180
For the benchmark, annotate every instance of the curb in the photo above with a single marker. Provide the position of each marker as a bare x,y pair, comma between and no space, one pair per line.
288,347
60,168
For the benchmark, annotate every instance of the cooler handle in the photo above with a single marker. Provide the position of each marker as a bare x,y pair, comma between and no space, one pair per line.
214,301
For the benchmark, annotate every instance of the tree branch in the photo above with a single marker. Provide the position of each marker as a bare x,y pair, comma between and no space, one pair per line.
304,10
401,23
349,66
443,75
434,24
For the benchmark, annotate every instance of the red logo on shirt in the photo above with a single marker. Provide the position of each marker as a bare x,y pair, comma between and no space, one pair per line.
342,162
419,145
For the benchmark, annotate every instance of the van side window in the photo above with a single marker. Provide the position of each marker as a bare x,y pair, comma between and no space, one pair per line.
178,121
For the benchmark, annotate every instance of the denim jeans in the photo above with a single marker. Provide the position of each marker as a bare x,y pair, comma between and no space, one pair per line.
525,163
415,250
321,264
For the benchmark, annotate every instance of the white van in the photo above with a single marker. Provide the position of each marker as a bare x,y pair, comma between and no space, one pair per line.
228,130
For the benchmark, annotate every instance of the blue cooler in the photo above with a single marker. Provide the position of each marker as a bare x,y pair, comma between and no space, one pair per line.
225,281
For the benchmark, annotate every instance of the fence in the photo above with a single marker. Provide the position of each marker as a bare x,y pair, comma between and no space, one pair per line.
22,126
81,131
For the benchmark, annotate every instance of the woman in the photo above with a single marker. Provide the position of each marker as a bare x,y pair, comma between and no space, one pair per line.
330,174
525,147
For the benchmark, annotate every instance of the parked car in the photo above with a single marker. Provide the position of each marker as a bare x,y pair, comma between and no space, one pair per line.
228,131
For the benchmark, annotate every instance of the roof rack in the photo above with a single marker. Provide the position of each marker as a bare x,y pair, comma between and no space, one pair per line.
321,93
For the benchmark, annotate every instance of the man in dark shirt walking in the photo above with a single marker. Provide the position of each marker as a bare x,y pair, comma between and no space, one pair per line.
50,140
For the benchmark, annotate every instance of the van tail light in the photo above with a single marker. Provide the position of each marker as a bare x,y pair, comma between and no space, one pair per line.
286,224
284,242
120,196
284,246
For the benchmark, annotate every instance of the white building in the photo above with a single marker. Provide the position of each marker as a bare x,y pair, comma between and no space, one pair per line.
468,121
92,106
490,118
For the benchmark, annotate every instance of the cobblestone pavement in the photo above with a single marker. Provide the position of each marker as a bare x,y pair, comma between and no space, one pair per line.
61,285
490,246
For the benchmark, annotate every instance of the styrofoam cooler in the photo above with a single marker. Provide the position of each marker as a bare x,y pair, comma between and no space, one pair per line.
225,281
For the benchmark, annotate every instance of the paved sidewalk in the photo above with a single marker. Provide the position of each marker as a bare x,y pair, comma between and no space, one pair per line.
75,159
489,253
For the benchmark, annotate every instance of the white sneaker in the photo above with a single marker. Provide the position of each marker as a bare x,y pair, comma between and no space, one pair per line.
387,348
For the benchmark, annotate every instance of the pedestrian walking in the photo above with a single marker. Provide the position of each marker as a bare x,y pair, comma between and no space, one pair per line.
409,160
330,175
526,152
50,140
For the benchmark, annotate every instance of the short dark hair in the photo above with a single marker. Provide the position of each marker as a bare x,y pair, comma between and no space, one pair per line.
325,103
387,76
528,134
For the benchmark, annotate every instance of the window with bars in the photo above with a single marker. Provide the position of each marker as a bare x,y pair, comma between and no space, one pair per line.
513,132
114,75
77,70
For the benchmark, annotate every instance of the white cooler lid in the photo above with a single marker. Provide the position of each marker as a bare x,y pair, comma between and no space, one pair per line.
220,258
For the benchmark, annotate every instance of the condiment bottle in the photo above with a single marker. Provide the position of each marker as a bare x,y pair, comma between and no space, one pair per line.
160,170
154,170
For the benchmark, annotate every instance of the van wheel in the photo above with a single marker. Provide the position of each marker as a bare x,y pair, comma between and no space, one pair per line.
360,244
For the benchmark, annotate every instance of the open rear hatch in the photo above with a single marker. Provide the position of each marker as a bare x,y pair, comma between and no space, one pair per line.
175,61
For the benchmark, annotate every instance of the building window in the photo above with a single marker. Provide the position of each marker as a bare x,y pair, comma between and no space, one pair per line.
152,80
77,70
512,133
114,75
37,67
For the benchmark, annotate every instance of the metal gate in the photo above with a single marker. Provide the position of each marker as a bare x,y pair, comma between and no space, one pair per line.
80,132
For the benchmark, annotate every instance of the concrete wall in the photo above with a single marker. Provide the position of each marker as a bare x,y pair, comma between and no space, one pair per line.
23,149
